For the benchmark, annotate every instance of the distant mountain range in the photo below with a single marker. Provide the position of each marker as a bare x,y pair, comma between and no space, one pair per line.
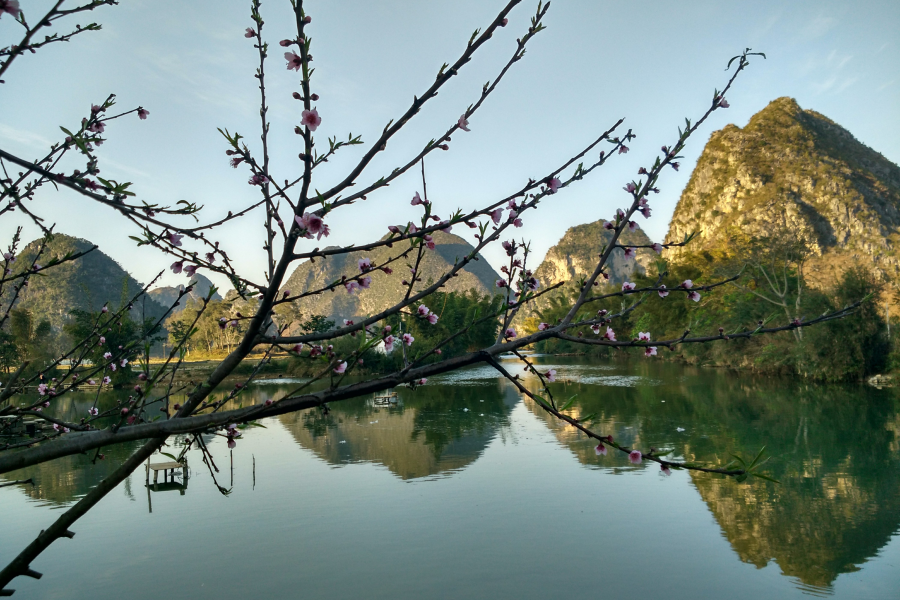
789,169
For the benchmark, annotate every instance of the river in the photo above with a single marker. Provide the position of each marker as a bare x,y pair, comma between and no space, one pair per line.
464,489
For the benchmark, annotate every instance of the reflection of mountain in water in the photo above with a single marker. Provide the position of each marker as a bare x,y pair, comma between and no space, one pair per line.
834,449
427,433
839,498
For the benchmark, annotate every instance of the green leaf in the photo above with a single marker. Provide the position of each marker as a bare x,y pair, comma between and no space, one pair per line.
766,477
172,456
568,402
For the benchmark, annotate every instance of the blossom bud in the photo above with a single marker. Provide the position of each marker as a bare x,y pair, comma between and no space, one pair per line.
315,97
307,19
297,96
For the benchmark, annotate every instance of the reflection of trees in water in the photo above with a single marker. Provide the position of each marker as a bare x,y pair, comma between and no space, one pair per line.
834,449
66,479
427,433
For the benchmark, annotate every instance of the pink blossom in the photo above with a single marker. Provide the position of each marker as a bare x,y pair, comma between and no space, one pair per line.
610,334
106,380
663,292
10,6
602,312
341,368
311,119
509,333
389,343
623,149
644,336
365,282
408,339
635,457
496,215
629,188
422,381
91,382
632,226
190,270
551,375
463,123
104,309
124,362
293,61
297,348
250,33
665,470
429,242
687,284
433,319
42,389
423,310
723,103
543,326
177,266
92,411
517,222
657,248
394,229
102,340
500,283
312,224
620,214
174,238
143,113
629,253
609,225
364,265
694,296
600,450
627,286
417,200
107,355
645,210
595,328
231,443
650,351
555,183
351,286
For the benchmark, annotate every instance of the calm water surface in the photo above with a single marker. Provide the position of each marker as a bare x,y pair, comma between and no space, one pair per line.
465,490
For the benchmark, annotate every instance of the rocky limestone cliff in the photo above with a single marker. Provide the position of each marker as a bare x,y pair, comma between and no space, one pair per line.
86,283
386,290
795,170
577,252
169,294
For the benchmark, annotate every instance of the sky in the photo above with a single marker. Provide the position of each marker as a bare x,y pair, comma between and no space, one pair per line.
653,63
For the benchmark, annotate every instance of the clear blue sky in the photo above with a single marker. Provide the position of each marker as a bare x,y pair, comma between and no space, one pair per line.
651,62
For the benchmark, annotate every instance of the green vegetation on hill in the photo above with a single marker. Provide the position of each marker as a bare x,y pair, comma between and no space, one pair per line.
86,284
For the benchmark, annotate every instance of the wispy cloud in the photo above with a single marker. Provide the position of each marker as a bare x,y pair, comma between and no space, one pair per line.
819,27
24,138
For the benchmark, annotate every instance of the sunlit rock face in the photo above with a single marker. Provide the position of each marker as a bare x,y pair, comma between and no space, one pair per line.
576,255
794,170
432,431
386,290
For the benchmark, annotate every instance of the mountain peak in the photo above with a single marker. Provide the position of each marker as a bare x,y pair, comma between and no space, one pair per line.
794,170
